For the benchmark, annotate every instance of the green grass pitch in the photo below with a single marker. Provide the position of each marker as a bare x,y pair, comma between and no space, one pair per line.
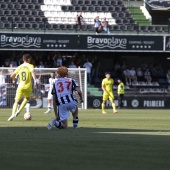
129,140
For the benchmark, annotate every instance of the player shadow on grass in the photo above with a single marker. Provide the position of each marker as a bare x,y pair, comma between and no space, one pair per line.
98,148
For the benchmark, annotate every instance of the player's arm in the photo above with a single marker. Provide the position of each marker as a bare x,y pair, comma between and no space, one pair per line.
13,76
79,93
55,107
103,87
34,77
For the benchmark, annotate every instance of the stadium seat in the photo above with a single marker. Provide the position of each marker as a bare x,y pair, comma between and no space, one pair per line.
17,19
3,6
14,12
2,25
151,29
87,2
107,3
113,3
120,3
116,28
28,1
35,13
1,12
28,12
21,26
101,3
8,25
17,6
21,1
158,29
28,25
14,1
78,8
55,26
80,2
83,8
111,9
10,6
7,12
97,8
21,12
30,6
74,2
3,18
94,3
35,26
24,19
91,9
123,27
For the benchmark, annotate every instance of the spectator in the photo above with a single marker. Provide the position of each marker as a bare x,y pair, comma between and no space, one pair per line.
79,20
88,66
133,75
41,65
105,26
126,74
60,60
168,77
147,76
72,65
139,74
97,25
95,69
2,77
49,62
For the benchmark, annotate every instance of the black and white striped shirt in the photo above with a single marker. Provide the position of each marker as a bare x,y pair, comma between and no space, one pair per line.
63,89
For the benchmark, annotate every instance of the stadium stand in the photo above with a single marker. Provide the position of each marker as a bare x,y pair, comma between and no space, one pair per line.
60,15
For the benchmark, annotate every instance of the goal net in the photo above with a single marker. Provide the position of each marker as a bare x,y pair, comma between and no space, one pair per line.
40,93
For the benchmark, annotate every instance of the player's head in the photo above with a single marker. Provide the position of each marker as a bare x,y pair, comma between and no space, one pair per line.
62,71
52,74
27,58
119,80
107,75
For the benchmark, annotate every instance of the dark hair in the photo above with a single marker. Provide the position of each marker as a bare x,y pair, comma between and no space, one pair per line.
53,72
107,72
26,57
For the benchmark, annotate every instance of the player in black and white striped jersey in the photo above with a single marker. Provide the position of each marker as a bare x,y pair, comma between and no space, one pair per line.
63,98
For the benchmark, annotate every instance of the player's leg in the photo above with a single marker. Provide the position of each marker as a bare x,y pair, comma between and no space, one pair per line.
122,97
49,98
74,110
26,95
28,107
111,98
119,101
18,97
63,114
105,98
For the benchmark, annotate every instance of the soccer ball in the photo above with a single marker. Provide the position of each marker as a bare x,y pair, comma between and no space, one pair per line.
27,116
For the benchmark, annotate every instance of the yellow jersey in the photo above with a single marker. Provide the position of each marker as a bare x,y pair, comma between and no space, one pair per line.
108,84
25,76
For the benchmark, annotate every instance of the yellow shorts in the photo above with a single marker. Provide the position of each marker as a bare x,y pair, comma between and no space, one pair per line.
20,93
107,96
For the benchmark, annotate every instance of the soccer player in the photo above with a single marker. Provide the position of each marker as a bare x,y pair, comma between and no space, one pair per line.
120,92
52,80
64,99
107,87
25,72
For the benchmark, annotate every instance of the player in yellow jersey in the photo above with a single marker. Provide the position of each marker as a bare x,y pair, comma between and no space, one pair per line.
107,87
26,73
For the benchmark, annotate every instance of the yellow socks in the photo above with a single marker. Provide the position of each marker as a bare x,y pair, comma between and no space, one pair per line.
14,109
114,107
103,107
25,101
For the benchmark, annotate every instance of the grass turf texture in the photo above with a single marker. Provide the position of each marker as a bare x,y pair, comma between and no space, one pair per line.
131,139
